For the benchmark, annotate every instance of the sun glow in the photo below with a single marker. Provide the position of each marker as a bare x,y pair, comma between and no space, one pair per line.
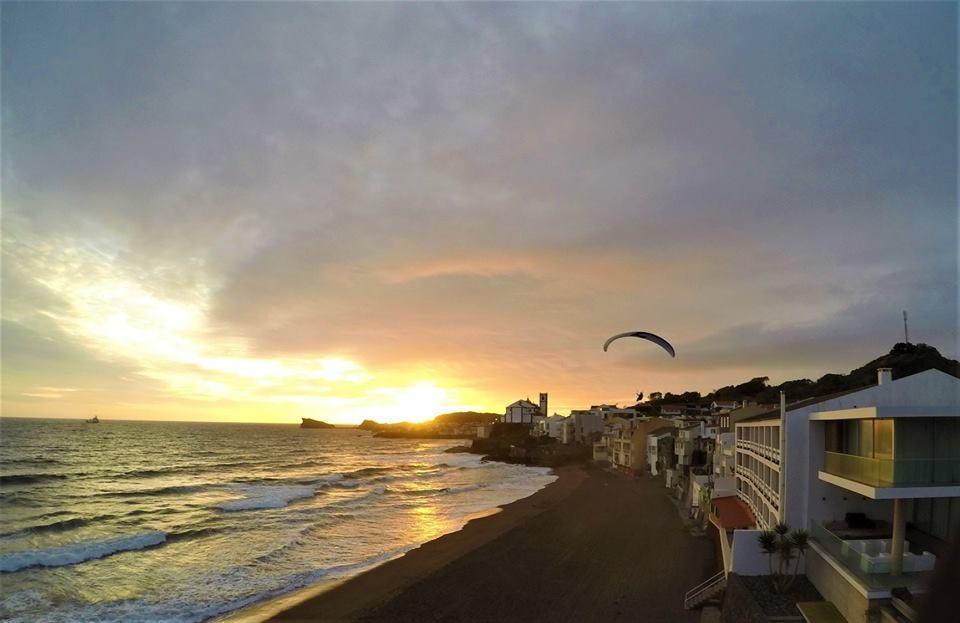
416,403
130,316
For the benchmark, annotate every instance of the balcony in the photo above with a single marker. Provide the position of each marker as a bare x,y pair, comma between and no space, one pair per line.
892,472
758,449
772,497
869,558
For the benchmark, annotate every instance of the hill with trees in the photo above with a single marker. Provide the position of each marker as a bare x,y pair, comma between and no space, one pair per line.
456,425
904,358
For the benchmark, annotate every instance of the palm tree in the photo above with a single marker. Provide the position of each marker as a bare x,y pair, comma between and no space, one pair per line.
800,540
768,543
788,546
785,553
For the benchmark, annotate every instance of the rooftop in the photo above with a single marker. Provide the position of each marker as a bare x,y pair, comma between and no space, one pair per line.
775,413
731,513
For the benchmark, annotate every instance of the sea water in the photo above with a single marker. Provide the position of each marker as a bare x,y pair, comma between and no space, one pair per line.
169,521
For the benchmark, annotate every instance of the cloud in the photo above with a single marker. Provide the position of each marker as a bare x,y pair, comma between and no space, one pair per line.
210,197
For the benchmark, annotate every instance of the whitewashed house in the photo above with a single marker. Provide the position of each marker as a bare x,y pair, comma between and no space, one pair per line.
551,426
581,426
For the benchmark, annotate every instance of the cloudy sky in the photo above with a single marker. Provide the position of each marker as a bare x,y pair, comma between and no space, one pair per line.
267,211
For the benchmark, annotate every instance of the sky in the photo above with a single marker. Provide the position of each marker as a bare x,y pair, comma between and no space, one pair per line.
261,212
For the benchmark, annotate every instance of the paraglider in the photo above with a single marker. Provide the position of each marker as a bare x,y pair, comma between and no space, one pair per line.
656,339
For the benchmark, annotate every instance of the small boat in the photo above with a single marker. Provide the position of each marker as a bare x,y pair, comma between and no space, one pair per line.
93,420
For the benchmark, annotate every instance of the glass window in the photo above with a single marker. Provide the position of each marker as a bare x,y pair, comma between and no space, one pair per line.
865,432
883,439
834,436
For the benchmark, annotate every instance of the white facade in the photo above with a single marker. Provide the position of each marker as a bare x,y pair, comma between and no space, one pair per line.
652,446
522,412
579,427
551,426
687,441
796,473
724,455
758,469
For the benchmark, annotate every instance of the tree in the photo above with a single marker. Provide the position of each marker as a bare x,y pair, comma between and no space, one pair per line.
788,547
768,543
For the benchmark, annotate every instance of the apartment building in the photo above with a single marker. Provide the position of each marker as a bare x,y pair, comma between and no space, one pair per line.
873,474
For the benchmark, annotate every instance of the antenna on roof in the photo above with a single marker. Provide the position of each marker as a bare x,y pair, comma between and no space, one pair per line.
906,336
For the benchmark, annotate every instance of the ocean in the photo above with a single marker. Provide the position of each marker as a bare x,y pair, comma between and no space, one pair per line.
183,521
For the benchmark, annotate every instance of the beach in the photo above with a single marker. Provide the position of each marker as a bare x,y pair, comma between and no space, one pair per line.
593,545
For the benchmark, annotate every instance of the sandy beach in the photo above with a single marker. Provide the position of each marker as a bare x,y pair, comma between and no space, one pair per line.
591,546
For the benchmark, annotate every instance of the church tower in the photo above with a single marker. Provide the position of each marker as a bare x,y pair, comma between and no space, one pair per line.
543,404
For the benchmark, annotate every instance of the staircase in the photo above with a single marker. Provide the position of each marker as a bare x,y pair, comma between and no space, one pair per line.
707,589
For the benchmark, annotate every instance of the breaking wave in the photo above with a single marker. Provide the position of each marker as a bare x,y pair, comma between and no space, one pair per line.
78,552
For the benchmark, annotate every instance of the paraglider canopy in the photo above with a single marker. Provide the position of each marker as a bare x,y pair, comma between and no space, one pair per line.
656,339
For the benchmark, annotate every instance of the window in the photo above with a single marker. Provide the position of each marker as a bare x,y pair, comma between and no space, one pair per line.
883,439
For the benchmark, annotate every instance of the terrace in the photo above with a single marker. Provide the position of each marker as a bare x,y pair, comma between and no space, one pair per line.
867,554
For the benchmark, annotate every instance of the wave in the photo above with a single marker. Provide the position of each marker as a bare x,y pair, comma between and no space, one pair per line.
172,489
370,471
326,480
312,463
55,526
189,607
29,479
261,497
193,468
78,552
193,533
31,461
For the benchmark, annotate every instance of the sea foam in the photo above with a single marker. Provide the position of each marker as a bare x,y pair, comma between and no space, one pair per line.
265,496
78,552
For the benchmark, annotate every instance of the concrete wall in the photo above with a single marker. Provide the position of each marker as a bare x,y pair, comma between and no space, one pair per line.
725,552
852,604
748,559
746,556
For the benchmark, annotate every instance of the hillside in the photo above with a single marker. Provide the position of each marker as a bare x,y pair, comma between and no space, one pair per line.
905,359
466,417
311,423
456,425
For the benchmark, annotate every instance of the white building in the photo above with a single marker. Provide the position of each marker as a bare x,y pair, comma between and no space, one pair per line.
610,412
690,438
853,469
724,456
525,412
581,426
551,426
758,467
653,440
722,407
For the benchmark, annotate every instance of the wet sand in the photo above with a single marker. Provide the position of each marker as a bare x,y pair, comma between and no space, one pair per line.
592,546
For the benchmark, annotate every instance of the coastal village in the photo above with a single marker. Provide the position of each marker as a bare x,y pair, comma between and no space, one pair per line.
832,507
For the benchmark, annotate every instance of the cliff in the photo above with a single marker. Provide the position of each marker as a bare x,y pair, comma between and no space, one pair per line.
310,423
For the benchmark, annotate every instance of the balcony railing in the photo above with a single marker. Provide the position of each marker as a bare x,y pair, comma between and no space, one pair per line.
892,472
768,452
772,497
869,569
